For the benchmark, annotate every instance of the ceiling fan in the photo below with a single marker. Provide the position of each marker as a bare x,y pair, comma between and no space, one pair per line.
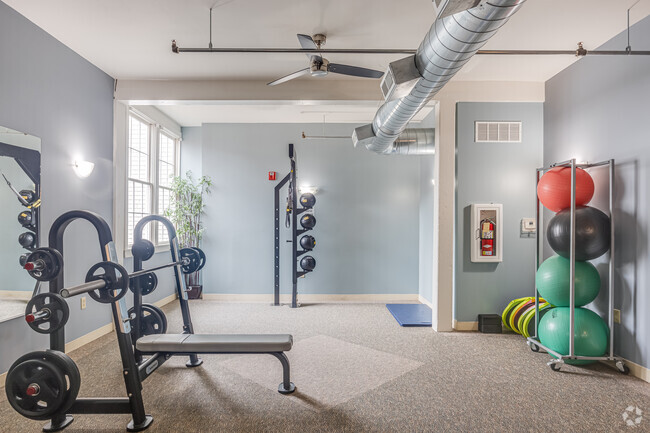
320,66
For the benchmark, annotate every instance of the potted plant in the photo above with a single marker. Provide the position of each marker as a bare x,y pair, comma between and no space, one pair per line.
185,211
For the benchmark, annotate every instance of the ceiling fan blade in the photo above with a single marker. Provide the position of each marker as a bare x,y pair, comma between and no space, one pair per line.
355,71
307,43
286,78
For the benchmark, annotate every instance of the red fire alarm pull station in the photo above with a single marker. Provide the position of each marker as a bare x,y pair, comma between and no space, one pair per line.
272,175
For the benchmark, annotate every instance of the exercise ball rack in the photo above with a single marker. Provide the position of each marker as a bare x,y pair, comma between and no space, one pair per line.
534,341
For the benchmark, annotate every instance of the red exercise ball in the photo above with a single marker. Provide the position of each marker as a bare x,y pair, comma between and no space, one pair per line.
554,188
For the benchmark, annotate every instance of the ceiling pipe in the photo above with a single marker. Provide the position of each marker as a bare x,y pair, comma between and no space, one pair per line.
410,83
578,53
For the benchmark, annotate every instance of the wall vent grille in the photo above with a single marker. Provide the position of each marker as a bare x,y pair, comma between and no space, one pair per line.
498,132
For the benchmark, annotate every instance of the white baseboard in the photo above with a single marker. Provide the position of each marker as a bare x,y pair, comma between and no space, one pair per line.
87,338
166,300
309,298
15,294
425,302
639,371
465,326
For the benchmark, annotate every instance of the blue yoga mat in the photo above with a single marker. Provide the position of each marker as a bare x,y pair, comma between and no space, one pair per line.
410,314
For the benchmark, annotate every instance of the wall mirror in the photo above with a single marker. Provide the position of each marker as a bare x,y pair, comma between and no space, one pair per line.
20,188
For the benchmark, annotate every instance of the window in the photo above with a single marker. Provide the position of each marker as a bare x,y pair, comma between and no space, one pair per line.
152,163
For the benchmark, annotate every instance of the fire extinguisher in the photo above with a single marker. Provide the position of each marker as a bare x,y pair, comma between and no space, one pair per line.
487,237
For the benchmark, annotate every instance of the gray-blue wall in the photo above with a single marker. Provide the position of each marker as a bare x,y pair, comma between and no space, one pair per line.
49,91
367,211
597,109
496,173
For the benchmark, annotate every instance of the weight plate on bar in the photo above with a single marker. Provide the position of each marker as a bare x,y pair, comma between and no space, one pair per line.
116,278
147,282
194,260
48,263
201,257
152,321
36,388
54,313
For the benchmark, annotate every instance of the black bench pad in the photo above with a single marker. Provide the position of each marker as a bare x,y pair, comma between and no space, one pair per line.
215,343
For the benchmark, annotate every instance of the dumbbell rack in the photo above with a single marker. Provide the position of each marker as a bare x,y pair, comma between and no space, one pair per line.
534,341
295,232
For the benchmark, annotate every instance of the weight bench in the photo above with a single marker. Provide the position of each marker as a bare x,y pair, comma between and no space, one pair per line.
192,344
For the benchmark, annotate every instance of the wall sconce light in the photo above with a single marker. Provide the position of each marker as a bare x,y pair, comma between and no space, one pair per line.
307,188
82,168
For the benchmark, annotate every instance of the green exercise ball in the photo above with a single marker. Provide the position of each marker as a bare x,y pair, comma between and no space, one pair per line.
553,283
591,333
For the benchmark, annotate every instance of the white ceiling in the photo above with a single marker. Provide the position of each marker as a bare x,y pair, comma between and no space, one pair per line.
131,39
273,112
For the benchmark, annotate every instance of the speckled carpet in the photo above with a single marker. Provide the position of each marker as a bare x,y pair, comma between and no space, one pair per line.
357,370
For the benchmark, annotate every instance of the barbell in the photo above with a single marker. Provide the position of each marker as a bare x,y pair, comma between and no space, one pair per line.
111,283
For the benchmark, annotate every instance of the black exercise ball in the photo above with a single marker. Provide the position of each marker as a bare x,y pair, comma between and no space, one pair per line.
307,242
308,221
25,218
143,249
27,240
307,200
593,233
308,263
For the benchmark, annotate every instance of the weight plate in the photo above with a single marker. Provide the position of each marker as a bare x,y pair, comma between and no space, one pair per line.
201,257
152,321
56,312
50,260
35,388
143,249
162,314
148,283
71,372
116,278
194,260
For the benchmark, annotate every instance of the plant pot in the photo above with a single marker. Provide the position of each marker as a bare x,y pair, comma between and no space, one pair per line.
194,292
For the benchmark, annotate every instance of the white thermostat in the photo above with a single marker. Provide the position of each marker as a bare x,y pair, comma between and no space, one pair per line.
528,225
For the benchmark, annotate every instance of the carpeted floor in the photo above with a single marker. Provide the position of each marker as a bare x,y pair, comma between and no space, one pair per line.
357,370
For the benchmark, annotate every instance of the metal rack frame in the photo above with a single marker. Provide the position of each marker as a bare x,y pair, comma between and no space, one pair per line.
295,232
534,342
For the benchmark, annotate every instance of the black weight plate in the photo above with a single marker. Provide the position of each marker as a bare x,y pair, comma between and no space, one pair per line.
34,369
116,278
143,249
201,257
52,260
152,321
162,314
148,283
71,371
58,309
194,260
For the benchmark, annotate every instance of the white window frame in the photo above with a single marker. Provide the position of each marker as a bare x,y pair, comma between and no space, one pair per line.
155,130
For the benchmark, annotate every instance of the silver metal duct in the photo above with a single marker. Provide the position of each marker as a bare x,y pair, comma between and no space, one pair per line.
450,43
415,141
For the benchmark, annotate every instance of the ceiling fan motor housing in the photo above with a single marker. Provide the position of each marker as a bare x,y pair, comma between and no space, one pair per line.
318,67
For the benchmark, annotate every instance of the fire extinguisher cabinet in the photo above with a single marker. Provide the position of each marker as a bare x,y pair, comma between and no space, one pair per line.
486,233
